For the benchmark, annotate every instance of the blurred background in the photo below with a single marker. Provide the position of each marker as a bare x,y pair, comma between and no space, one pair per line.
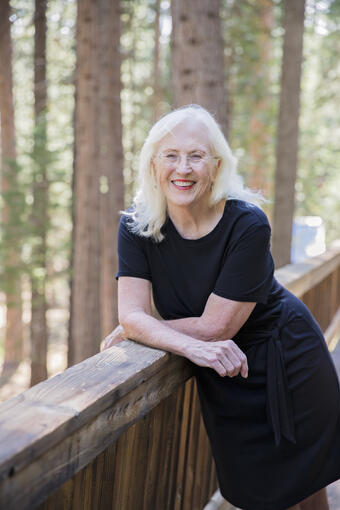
82,82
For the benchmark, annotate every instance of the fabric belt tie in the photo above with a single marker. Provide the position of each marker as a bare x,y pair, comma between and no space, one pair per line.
279,401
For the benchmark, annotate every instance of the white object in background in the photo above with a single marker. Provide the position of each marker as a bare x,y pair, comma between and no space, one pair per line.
308,238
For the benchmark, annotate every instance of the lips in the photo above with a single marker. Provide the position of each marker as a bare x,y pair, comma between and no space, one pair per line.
183,184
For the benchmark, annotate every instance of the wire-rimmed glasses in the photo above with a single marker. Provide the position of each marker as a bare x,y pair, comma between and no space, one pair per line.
194,159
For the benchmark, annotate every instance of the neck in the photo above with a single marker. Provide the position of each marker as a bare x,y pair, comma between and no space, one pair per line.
195,222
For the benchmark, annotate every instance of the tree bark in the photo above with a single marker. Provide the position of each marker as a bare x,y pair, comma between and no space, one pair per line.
85,334
11,244
156,70
110,158
198,58
288,130
259,125
39,216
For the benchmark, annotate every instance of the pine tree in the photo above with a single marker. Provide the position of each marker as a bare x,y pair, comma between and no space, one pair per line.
12,205
288,130
39,214
198,58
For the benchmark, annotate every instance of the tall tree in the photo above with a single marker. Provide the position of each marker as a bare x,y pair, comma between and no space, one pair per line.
198,58
11,242
110,160
156,64
288,130
39,215
85,334
259,125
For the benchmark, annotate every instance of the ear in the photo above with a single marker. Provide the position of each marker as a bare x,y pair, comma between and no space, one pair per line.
216,168
153,169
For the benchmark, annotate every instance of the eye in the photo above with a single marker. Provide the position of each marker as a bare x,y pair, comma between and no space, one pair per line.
171,156
196,157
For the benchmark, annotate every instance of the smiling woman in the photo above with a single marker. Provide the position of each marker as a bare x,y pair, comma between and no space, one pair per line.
197,241
185,170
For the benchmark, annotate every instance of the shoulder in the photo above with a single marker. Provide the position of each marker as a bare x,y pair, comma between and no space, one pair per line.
127,227
129,230
245,214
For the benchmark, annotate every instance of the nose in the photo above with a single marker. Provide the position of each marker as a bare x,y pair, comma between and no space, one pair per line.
183,166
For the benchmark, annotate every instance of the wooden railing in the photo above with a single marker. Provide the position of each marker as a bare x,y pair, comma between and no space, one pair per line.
122,430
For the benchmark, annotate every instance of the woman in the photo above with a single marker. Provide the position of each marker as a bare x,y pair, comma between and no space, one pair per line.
259,357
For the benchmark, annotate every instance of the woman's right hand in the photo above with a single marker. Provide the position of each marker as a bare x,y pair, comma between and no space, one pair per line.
224,356
113,338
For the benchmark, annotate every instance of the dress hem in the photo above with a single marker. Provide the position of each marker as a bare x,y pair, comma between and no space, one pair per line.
287,504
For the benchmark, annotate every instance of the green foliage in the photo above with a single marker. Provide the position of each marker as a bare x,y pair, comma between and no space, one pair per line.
45,151
13,230
318,181
137,42
252,79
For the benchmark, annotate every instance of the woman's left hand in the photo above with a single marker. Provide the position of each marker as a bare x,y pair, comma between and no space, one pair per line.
113,338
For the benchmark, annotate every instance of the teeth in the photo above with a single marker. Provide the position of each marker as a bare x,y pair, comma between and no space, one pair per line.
183,184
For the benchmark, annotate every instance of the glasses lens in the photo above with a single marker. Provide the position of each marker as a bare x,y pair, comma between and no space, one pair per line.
173,158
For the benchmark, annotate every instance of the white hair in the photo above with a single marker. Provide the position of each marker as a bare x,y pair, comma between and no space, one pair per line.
149,211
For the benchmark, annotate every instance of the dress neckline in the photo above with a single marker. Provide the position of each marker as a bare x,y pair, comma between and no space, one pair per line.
204,238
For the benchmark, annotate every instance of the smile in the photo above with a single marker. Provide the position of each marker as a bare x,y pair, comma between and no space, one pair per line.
183,184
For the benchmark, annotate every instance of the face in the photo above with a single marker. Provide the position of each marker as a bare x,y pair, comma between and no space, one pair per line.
184,165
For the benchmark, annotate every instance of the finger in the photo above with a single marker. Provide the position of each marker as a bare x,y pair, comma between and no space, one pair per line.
218,366
234,361
107,343
242,358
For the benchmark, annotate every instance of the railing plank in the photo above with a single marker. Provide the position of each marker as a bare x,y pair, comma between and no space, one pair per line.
36,476
60,405
299,278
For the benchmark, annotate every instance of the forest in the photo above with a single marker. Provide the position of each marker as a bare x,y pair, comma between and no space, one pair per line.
81,84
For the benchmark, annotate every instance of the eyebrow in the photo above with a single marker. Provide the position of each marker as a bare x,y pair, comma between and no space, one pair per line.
191,150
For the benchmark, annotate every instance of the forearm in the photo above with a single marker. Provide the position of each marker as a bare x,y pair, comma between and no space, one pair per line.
146,329
196,327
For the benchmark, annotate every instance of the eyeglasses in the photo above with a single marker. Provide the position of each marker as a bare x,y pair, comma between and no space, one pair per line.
194,160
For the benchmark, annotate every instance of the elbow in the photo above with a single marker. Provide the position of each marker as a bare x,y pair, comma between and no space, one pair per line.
214,331
126,321
130,321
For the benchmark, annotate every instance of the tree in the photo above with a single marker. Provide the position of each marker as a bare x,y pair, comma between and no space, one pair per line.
39,215
259,124
85,334
12,202
197,57
156,64
110,160
287,132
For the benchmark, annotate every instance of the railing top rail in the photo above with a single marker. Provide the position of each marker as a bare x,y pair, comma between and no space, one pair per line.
43,415
300,278
128,380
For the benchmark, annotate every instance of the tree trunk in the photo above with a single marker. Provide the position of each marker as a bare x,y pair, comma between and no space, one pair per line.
39,216
287,133
259,124
156,71
197,57
110,159
85,334
11,244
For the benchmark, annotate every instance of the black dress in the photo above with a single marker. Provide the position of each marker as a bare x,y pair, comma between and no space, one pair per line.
275,436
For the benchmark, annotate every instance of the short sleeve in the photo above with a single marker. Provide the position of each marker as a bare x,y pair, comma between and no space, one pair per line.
132,260
248,267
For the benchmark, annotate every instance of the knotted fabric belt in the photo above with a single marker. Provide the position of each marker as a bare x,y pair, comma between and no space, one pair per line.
279,401
279,406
